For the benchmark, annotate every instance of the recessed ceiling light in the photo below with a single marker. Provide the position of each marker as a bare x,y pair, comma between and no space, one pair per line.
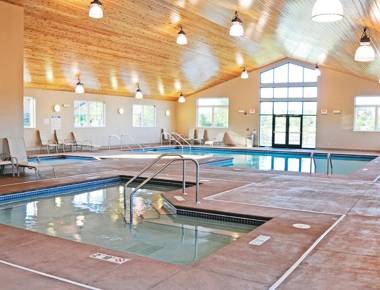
139,94
327,11
79,87
96,9
181,99
236,28
244,74
181,37
365,52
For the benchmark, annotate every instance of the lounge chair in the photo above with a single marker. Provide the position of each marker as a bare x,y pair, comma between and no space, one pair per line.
82,143
18,155
191,136
219,140
4,163
165,138
43,143
199,136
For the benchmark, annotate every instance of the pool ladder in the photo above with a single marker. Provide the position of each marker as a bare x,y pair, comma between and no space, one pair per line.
157,169
329,165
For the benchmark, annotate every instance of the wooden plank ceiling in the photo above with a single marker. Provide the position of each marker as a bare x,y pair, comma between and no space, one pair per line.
136,42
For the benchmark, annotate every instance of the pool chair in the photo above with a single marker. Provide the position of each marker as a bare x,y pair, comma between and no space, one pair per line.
199,136
191,136
4,162
165,138
18,155
218,141
42,143
81,144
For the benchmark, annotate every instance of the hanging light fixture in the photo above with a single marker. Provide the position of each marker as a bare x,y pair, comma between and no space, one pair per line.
244,74
79,87
365,52
236,29
327,11
317,71
139,94
181,37
96,9
181,99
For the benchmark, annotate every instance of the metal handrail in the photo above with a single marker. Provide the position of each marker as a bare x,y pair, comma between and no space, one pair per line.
116,137
181,138
312,160
182,159
329,168
133,140
175,140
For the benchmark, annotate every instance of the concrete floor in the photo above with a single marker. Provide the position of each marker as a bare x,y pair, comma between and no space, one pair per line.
341,250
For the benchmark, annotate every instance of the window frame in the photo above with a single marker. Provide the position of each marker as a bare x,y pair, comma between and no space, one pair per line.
213,107
88,125
377,117
33,114
142,123
273,85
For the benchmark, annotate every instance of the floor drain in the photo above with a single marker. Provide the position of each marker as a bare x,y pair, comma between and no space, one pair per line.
301,226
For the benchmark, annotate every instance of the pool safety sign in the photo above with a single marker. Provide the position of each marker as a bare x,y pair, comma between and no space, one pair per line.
109,258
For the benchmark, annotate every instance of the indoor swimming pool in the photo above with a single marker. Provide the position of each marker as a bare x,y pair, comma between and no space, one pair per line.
96,217
274,160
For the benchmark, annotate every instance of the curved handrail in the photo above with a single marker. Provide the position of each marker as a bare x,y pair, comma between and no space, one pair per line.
181,138
133,140
116,137
312,160
329,169
183,160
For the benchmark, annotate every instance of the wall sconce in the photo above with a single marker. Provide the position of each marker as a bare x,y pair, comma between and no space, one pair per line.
167,113
120,111
324,111
57,108
252,111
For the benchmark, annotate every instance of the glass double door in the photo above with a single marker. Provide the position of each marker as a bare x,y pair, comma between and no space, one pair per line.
287,131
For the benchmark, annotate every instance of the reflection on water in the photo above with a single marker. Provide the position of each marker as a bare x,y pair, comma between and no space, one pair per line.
281,161
97,217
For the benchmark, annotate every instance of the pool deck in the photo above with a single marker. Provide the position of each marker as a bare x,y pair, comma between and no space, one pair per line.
341,250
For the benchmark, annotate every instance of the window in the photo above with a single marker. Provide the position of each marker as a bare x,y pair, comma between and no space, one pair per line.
144,116
212,113
29,112
289,89
89,114
367,114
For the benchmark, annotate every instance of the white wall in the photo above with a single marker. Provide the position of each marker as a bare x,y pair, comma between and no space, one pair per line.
336,92
115,123
11,70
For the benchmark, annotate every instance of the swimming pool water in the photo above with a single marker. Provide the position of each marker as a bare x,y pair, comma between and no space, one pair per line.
60,159
271,160
96,217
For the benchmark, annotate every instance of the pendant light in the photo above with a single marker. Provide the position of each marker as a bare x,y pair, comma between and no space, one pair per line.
317,71
236,29
79,87
181,37
96,10
365,52
244,74
181,99
327,11
139,94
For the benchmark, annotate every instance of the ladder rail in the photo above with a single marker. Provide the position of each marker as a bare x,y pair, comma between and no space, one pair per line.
126,136
329,168
171,138
182,139
157,172
110,137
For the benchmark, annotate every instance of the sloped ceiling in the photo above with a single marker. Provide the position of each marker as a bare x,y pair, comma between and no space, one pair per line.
136,42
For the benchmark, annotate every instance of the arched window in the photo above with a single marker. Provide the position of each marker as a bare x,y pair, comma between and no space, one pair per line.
288,106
